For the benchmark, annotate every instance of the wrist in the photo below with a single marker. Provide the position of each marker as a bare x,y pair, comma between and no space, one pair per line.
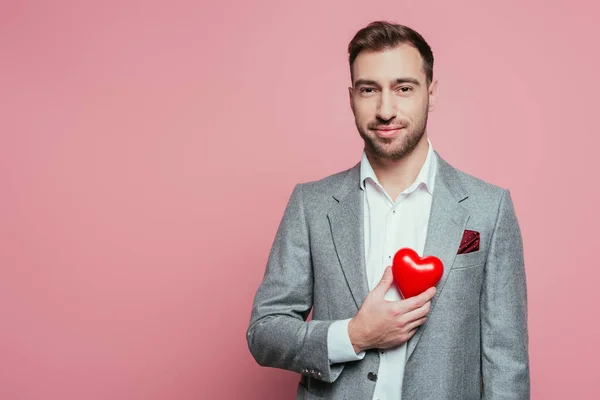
355,337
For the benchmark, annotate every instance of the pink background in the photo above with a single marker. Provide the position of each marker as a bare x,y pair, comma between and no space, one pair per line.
147,152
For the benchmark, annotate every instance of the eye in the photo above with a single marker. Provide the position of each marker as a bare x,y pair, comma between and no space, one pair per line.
366,90
405,89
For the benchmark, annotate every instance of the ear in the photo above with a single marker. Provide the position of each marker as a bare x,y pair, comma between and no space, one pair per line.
350,89
433,94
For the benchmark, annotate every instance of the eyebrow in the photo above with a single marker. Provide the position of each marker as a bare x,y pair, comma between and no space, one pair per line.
368,82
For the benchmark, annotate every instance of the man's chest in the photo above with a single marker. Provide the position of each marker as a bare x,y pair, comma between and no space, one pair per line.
389,227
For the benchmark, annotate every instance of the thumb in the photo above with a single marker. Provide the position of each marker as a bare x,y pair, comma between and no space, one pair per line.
386,281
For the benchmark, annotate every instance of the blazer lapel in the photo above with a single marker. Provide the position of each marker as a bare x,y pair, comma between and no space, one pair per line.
447,221
346,222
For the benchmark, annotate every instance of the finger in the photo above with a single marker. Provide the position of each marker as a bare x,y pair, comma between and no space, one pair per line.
412,303
429,293
416,314
386,281
415,324
410,334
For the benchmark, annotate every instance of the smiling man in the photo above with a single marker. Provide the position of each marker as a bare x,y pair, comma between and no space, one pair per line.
467,337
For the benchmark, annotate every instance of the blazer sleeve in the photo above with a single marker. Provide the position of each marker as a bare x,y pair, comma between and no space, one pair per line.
504,333
278,334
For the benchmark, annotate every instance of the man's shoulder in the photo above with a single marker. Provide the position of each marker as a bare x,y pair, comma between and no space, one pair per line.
484,196
473,184
327,186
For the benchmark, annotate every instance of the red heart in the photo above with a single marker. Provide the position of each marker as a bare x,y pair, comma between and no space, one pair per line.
413,274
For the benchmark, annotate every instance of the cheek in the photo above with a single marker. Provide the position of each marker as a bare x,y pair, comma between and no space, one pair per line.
412,109
364,111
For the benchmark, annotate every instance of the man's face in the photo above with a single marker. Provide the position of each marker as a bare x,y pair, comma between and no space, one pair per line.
390,100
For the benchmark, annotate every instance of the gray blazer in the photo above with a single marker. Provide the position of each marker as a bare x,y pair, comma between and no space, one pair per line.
474,344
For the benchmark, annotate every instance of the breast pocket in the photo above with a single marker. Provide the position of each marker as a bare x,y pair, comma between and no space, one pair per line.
470,260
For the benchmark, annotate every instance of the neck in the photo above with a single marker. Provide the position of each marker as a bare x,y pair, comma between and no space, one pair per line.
397,175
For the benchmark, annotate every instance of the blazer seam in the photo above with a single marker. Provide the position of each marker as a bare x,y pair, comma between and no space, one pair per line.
485,272
493,235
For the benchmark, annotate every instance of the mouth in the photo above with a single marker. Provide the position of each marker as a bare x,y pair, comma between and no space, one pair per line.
387,131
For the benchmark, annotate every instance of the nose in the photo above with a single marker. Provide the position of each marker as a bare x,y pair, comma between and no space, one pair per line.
387,106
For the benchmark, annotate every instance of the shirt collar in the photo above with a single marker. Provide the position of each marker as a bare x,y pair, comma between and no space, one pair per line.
426,175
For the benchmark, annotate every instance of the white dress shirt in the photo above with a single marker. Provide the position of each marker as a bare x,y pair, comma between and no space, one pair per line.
389,225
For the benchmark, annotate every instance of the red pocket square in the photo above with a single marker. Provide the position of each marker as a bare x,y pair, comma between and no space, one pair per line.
469,242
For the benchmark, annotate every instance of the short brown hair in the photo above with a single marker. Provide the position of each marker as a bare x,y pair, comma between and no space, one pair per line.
383,35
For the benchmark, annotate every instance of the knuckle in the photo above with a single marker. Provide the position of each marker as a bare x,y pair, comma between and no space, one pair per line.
401,323
394,312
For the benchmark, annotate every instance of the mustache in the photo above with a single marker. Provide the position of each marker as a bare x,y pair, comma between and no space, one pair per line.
399,125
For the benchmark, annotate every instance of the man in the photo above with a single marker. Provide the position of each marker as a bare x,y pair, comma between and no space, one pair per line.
464,339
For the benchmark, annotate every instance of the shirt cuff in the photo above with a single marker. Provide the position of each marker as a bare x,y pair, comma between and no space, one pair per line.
339,347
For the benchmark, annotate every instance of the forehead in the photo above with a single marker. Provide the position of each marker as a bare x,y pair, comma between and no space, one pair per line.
387,65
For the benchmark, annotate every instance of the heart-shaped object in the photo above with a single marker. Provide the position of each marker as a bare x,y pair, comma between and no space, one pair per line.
414,275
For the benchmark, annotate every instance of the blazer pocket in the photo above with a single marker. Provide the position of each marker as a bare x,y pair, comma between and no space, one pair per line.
469,260
317,388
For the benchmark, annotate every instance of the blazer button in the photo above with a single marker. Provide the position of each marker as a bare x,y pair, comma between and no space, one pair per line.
372,376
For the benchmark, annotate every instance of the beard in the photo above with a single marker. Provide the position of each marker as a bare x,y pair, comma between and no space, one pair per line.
394,148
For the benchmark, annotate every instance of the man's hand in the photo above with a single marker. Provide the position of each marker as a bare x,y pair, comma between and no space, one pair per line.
381,323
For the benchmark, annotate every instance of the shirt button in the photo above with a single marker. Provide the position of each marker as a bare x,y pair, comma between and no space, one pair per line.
372,377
